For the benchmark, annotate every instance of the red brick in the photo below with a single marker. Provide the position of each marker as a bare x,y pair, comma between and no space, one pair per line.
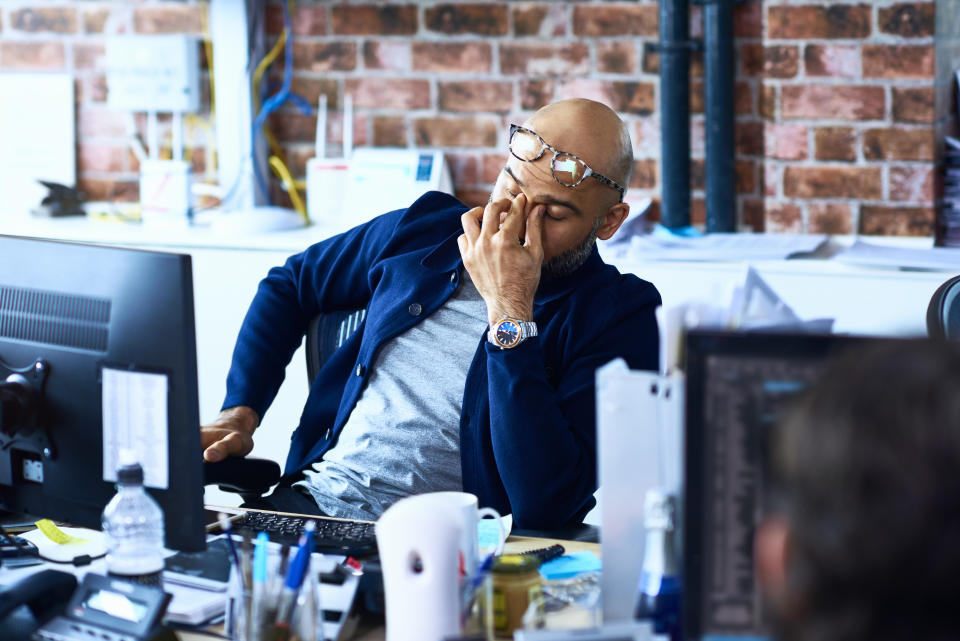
536,93
748,138
387,55
913,20
59,20
746,176
540,20
307,20
545,59
645,173
807,21
359,20
833,182
743,98
752,215
651,58
389,131
293,126
615,20
913,104
110,189
170,19
311,88
455,132
835,143
779,61
698,174
912,183
491,166
835,61
768,102
463,168
898,144
785,141
616,57
748,19
646,138
92,88
88,55
32,55
906,61
458,57
896,221
771,179
697,98
325,56
481,19
837,102
475,96
783,218
829,218
94,20
389,93
92,157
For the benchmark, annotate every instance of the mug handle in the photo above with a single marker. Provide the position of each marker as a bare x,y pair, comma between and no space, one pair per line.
489,511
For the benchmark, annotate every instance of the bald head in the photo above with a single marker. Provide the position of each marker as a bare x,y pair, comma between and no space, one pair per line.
590,130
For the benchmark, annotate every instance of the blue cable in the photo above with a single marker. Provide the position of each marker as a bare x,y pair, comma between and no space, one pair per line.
275,101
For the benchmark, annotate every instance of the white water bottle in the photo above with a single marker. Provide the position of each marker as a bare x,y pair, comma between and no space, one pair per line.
133,523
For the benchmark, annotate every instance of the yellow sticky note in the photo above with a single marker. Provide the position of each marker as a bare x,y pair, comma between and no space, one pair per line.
55,534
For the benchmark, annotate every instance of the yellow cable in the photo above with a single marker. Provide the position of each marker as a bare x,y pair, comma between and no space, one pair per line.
255,88
283,174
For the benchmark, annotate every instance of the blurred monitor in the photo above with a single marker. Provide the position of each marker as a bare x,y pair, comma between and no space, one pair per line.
98,353
737,385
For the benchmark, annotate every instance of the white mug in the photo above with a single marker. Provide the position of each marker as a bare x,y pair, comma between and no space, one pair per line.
419,549
466,508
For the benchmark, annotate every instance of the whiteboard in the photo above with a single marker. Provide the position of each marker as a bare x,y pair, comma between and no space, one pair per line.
37,138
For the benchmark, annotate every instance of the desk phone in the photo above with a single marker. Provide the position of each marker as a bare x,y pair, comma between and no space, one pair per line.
109,609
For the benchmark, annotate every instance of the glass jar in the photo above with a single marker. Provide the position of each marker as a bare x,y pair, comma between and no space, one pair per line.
516,585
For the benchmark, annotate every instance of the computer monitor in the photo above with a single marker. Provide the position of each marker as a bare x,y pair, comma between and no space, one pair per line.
97,353
737,385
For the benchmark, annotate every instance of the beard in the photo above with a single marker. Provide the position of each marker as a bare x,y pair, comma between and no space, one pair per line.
570,261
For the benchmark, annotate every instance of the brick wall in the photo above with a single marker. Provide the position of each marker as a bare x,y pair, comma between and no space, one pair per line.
834,99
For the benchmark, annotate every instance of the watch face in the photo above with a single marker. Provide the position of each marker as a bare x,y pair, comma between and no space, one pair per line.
508,333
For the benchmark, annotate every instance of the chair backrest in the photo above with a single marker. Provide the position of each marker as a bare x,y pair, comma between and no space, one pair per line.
326,333
943,312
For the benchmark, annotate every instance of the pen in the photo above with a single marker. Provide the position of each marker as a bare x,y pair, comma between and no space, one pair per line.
245,565
474,583
275,585
225,527
258,604
291,586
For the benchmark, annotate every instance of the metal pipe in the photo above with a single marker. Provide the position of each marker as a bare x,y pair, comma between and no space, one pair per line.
674,48
718,68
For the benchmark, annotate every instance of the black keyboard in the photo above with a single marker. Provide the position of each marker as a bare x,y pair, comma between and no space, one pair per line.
335,536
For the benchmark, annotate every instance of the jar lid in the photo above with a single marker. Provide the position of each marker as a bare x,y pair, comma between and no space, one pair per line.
515,564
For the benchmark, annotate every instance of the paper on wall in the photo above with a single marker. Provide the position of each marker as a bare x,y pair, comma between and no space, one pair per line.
135,417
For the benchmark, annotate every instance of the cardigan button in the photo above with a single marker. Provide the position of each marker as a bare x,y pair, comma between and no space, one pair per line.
360,369
415,309
453,277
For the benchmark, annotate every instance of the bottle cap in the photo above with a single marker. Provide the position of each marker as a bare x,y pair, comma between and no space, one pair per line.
129,471
515,564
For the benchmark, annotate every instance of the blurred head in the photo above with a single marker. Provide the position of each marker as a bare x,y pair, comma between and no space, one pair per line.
864,539
575,216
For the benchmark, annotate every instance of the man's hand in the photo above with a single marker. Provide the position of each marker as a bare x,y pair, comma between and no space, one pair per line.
230,434
504,268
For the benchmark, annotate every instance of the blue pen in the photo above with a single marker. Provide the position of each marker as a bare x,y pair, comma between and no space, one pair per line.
474,583
259,601
225,527
295,575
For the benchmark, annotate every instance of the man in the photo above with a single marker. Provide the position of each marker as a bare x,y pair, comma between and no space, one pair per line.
474,368
863,543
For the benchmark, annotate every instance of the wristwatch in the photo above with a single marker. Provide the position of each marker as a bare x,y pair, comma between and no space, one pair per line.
510,332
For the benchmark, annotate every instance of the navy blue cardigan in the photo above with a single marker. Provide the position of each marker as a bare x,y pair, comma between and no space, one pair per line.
527,428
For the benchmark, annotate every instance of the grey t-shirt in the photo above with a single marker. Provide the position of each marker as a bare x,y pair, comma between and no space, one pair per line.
403,435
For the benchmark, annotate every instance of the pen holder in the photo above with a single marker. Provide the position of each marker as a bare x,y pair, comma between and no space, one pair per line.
165,192
476,618
253,617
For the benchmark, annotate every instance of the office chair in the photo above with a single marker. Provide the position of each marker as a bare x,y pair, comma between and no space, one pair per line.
250,477
943,312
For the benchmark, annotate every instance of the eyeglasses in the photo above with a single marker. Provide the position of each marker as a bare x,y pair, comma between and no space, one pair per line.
567,169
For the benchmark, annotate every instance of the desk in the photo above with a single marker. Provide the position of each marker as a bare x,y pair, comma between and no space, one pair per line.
376,631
